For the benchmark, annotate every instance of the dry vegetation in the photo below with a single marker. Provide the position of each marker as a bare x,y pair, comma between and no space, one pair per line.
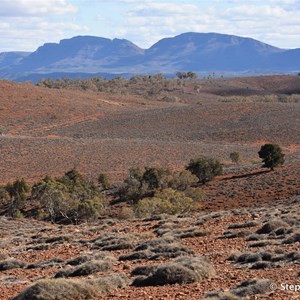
242,252
243,236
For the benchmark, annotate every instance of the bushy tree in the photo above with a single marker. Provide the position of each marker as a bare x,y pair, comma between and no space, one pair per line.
70,198
205,168
192,75
186,75
140,184
132,189
152,177
54,198
271,155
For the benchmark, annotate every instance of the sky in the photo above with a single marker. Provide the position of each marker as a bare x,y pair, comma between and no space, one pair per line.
27,24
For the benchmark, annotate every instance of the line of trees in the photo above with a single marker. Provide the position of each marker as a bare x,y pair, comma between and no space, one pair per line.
72,198
152,86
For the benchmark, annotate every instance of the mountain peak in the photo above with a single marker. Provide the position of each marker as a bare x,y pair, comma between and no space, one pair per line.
190,51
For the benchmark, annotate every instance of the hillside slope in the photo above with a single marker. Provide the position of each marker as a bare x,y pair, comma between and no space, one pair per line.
47,131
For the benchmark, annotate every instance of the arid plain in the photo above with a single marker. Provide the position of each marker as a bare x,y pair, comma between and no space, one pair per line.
248,226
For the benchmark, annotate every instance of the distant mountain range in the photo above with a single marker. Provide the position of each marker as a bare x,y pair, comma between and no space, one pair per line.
203,53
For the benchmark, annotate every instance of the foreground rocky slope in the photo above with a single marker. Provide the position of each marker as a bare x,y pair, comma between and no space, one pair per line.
166,257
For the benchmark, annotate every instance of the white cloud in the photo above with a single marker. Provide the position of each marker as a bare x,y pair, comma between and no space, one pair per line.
13,8
27,24
31,38
270,21
29,35
163,9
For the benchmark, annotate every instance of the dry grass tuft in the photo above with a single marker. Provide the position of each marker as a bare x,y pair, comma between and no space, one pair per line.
181,271
58,289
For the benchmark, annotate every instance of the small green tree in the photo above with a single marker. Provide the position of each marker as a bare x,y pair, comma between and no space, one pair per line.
17,192
54,199
70,198
205,168
271,155
152,177
132,189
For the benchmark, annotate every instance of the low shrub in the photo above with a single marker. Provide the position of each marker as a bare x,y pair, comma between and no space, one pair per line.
244,290
252,287
292,239
243,225
87,268
271,226
58,289
10,263
221,296
181,271
112,242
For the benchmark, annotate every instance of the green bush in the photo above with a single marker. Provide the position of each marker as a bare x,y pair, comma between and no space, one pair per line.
180,181
125,213
90,209
196,194
132,190
166,201
205,168
139,184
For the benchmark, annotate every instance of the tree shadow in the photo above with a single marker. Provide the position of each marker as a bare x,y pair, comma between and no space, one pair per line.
247,175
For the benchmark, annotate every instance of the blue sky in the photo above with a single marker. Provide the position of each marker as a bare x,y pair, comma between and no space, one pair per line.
28,24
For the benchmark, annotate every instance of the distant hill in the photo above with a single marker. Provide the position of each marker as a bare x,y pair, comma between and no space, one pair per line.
9,59
197,52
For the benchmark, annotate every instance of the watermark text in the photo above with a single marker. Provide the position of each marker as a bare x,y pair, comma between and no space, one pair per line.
287,287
